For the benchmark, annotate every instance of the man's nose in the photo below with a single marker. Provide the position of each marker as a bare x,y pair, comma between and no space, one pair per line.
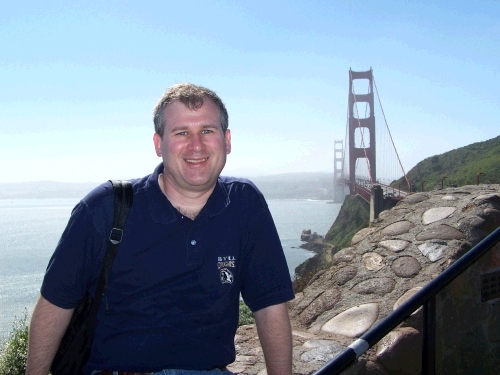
195,142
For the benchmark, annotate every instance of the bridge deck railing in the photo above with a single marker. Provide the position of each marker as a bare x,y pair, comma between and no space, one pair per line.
363,189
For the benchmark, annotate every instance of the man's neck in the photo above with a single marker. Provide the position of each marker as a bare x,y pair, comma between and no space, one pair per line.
189,206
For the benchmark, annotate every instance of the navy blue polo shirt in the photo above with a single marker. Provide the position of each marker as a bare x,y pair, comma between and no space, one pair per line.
173,292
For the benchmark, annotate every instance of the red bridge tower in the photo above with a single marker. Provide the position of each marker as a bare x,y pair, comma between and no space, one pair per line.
366,151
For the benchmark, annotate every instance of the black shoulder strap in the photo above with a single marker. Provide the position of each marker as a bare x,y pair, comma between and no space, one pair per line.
123,202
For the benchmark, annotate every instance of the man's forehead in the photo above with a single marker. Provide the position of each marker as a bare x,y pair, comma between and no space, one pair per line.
178,115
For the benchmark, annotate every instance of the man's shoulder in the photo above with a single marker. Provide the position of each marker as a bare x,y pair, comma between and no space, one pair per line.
239,184
241,187
230,180
103,196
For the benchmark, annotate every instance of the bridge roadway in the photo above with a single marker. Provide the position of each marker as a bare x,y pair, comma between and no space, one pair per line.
364,188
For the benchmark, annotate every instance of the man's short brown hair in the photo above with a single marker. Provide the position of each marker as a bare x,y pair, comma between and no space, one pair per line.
191,96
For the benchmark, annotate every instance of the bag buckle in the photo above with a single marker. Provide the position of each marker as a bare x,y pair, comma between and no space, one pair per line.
115,237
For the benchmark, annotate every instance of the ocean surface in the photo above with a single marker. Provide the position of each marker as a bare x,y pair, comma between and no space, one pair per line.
30,229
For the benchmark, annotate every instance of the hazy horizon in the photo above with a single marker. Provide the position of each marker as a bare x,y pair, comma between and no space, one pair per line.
244,174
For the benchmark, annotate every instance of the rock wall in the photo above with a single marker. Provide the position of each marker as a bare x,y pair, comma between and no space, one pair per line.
400,252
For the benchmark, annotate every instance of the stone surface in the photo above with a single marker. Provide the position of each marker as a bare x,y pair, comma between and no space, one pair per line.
433,250
487,198
394,213
406,267
492,217
373,261
405,297
440,232
322,353
471,327
345,274
399,227
305,335
435,214
378,285
394,245
400,352
373,368
322,303
316,343
345,255
361,235
417,198
354,321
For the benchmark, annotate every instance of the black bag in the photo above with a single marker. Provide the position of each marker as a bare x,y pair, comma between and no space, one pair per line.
74,349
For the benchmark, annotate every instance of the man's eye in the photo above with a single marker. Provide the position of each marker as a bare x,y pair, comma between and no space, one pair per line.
182,133
207,131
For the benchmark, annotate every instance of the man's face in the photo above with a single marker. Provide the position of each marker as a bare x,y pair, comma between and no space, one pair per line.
193,147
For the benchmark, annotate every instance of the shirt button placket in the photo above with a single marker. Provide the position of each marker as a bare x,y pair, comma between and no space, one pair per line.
194,250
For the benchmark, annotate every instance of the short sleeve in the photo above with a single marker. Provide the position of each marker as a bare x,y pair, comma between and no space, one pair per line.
266,279
70,269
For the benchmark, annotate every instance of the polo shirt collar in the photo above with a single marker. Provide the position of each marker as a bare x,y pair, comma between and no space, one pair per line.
218,201
163,212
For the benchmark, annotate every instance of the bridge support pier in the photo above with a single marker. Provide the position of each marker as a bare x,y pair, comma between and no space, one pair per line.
376,201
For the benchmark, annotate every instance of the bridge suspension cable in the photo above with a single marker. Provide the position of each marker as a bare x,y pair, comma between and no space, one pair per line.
390,135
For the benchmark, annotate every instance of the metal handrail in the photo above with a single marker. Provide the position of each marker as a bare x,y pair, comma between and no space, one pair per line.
425,296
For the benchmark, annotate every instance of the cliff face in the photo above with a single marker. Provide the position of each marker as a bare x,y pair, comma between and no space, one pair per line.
383,266
353,216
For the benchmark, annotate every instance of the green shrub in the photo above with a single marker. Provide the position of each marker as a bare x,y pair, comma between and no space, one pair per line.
246,316
13,350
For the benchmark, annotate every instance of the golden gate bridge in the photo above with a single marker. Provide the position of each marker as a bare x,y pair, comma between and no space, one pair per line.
370,164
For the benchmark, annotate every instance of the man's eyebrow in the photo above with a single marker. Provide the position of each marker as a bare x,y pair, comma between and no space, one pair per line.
186,127
210,126
178,128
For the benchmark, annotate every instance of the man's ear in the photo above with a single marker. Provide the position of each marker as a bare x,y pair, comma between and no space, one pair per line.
227,137
157,143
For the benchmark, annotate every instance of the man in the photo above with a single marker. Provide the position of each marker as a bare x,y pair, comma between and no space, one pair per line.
192,243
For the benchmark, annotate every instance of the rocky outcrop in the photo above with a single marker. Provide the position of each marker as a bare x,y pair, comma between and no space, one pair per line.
386,264
312,241
321,260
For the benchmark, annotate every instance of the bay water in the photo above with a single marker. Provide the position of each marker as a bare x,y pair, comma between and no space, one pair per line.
30,230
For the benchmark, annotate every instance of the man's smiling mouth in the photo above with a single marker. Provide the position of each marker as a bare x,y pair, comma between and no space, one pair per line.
196,161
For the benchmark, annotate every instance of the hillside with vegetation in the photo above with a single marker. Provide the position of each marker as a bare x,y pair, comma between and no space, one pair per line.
460,167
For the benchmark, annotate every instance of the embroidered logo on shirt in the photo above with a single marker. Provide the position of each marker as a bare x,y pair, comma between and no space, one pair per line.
226,277
223,264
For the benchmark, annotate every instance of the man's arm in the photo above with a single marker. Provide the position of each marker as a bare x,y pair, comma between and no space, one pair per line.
47,327
275,334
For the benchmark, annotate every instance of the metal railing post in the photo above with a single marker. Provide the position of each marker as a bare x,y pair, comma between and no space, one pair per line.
429,337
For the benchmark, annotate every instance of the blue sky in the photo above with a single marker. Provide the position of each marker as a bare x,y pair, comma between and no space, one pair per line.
79,80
